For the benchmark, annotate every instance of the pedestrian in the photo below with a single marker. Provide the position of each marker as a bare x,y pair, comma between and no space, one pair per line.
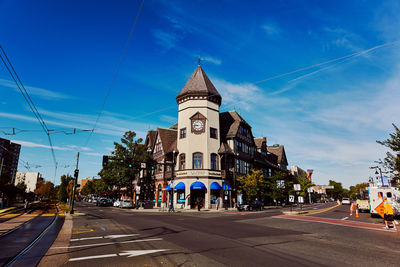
26,204
217,203
171,206
389,214
199,202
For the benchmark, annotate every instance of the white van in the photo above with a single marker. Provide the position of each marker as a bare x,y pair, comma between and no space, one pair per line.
392,194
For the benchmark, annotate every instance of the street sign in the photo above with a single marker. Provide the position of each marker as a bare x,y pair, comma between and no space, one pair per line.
300,199
380,209
291,198
137,189
296,187
310,190
143,165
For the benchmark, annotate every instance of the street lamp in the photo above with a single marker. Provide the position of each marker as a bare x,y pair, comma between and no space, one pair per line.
376,172
172,180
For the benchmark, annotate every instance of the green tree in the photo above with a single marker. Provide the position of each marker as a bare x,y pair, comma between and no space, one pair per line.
117,173
251,184
62,193
338,192
305,184
88,189
274,190
354,191
392,160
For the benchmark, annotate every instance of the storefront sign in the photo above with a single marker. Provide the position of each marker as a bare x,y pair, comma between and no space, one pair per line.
197,173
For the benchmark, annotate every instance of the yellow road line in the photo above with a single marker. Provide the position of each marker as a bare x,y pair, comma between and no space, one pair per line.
81,230
322,210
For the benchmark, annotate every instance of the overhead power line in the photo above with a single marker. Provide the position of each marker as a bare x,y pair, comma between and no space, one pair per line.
15,131
115,74
7,63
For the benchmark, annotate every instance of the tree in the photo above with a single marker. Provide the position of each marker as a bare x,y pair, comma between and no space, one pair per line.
62,193
305,184
392,160
251,183
88,188
338,192
354,191
274,191
124,165
46,190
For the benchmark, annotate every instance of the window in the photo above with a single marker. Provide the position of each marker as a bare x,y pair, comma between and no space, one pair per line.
197,161
388,194
182,133
246,167
269,172
265,173
213,133
238,146
158,147
214,159
237,167
182,161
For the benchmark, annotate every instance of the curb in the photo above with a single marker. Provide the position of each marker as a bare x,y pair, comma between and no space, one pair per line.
310,212
58,257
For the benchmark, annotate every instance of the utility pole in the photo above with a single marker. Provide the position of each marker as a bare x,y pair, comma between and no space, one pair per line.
74,188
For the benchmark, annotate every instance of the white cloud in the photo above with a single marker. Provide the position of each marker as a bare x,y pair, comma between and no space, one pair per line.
271,30
169,119
93,154
212,60
167,40
43,93
80,148
31,144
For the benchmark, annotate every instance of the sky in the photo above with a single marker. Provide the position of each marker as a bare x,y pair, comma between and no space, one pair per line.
328,116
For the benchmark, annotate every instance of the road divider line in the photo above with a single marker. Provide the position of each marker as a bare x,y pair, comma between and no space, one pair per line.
338,222
111,243
345,218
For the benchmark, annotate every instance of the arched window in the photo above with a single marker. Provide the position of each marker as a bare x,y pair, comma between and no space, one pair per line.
182,161
197,160
214,162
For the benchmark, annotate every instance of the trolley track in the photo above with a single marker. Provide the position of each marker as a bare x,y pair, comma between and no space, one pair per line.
26,244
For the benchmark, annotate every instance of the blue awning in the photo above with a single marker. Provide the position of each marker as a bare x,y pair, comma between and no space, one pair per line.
227,187
181,185
215,186
197,185
167,188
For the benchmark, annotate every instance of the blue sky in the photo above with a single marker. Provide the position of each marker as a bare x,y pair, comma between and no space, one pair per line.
328,117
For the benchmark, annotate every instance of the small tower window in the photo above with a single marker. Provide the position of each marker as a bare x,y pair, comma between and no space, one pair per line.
182,133
213,133
182,161
214,162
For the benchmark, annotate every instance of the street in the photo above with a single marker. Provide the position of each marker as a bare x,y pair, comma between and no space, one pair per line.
106,236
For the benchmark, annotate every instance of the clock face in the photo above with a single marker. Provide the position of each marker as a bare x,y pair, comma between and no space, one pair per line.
198,125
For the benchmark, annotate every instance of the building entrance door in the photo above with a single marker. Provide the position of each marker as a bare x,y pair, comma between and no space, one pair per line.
197,195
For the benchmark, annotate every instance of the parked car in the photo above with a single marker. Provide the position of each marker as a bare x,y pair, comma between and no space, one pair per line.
116,203
102,202
126,204
346,201
252,205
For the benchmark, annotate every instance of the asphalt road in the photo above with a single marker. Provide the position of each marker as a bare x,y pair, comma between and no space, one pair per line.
225,239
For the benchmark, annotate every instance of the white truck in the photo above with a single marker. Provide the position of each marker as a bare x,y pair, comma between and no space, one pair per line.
375,198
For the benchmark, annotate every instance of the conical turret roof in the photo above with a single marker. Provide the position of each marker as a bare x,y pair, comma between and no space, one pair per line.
199,85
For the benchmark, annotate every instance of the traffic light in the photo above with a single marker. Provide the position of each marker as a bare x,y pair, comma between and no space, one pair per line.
76,173
105,161
130,165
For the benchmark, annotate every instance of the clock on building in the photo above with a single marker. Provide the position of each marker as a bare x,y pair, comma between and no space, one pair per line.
198,125
198,122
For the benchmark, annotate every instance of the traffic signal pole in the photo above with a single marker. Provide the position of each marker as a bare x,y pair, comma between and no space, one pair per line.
76,173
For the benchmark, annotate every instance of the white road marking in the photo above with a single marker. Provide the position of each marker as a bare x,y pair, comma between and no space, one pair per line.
100,237
111,243
93,257
133,253
345,218
129,253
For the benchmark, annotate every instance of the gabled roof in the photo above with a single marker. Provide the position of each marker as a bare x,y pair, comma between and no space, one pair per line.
225,148
200,85
151,138
279,151
175,126
259,141
229,123
168,137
